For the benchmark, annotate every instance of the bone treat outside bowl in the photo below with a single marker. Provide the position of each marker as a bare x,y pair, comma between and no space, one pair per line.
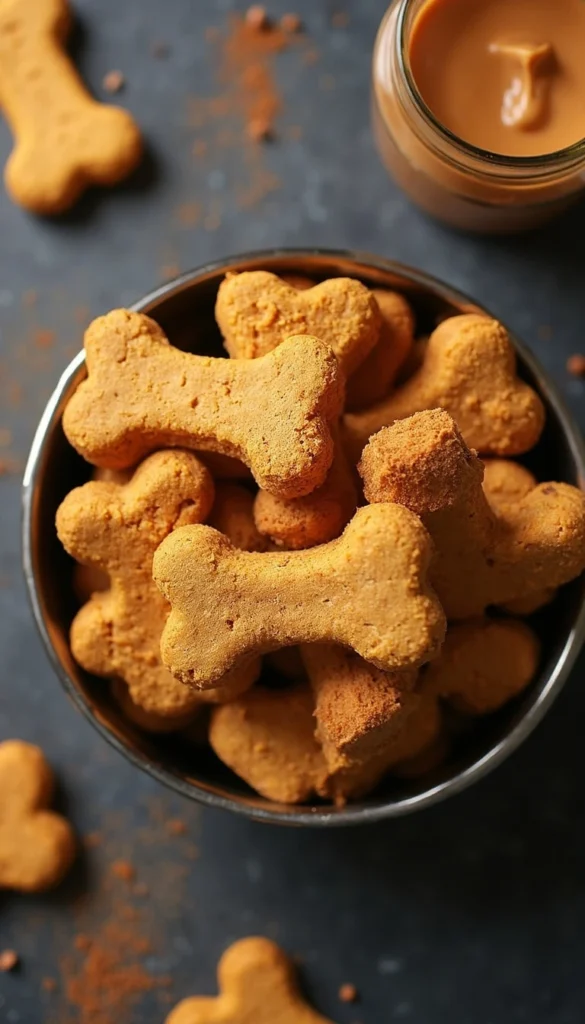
184,308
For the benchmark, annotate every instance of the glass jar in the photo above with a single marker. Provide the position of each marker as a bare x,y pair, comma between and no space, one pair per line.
467,187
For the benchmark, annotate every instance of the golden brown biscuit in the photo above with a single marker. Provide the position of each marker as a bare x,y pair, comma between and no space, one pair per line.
141,393
411,752
65,140
117,528
483,664
267,737
257,310
233,515
505,482
373,379
470,371
149,721
367,590
257,986
88,579
358,708
37,847
484,556
315,519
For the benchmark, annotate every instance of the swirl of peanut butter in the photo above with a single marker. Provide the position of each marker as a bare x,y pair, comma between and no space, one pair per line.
525,101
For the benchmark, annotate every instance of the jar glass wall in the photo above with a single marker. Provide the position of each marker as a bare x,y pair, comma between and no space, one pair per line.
467,187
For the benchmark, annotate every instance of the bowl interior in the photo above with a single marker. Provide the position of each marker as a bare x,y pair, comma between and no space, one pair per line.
185,311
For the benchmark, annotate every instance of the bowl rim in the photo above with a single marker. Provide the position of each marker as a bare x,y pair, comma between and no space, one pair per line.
302,816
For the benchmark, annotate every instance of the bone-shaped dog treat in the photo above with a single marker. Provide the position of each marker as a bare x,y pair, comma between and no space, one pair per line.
37,847
367,590
470,371
149,721
358,708
318,517
372,380
411,752
141,393
267,737
233,515
256,311
257,986
117,528
506,482
374,376
65,140
485,555
483,664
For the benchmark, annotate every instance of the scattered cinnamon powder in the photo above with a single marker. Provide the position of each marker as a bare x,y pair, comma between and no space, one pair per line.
114,81
44,338
576,365
245,111
340,19
49,985
124,870
259,130
176,827
82,942
256,17
8,960
189,214
108,981
310,57
5,437
199,149
348,993
169,271
290,23
9,467
29,298
140,889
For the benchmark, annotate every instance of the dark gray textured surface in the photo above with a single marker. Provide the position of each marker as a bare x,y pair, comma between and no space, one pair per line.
473,911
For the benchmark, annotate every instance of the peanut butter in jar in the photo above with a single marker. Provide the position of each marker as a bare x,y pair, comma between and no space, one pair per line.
479,108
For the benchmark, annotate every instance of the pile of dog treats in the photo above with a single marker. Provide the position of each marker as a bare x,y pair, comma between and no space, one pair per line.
322,537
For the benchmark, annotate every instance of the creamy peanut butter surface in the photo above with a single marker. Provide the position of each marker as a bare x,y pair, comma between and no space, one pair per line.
507,76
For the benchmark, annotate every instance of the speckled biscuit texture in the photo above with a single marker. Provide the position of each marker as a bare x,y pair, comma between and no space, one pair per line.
469,370
485,555
317,517
117,528
37,846
257,310
257,985
373,379
267,737
483,664
368,590
141,393
358,708
64,139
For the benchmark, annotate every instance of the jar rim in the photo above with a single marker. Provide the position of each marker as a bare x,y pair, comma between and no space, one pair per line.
559,159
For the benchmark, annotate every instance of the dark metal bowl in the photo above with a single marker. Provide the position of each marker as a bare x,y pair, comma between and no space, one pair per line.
184,308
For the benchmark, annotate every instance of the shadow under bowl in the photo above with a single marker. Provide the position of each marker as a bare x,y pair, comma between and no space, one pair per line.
185,310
